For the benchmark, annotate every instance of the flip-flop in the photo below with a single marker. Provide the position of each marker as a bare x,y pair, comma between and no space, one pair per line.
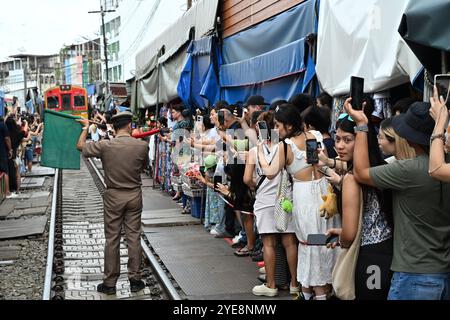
243,252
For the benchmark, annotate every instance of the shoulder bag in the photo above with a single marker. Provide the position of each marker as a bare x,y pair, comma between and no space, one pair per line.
343,277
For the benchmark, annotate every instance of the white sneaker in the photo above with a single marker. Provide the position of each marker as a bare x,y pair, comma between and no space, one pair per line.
12,195
263,290
236,239
214,232
262,270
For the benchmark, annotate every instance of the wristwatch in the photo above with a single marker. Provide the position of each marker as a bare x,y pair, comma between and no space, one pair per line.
437,136
363,128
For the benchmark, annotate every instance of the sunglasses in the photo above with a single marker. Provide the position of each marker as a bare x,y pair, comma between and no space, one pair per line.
344,115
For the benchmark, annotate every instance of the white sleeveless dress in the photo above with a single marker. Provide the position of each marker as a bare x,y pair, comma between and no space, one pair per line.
315,263
264,206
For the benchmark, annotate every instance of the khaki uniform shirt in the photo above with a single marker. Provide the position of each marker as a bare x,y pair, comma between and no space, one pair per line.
123,158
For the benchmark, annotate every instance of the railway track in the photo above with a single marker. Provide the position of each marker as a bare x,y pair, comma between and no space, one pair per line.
76,245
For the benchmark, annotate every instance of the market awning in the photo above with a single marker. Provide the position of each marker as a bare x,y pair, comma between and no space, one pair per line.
358,38
425,28
199,80
196,23
201,18
269,58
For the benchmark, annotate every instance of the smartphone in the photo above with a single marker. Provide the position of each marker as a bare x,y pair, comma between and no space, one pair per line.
263,131
180,138
202,170
442,83
133,125
217,179
312,156
321,239
239,111
200,119
221,117
357,92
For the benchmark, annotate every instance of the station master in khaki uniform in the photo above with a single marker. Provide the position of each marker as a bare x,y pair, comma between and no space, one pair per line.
123,158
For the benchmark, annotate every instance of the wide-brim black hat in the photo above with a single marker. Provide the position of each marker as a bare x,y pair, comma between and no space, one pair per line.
416,125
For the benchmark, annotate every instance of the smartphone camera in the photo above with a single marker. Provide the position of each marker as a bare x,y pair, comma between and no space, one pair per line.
217,180
238,111
263,131
357,92
442,83
312,155
221,117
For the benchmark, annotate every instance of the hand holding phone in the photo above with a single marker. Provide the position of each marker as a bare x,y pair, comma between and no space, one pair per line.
216,180
221,117
321,239
312,155
357,92
442,83
263,132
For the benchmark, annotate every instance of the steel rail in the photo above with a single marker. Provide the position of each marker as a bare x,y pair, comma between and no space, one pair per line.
153,262
51,240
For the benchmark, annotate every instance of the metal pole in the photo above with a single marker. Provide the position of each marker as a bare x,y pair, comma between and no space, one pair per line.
105,49
25,91
156,119
51,241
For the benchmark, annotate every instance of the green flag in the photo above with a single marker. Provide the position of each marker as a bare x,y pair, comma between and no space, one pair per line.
59,145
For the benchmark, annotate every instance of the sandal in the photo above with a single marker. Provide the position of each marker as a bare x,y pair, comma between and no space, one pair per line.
243,252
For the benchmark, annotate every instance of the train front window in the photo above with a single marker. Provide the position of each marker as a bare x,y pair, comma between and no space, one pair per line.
66,103
52,102
79,101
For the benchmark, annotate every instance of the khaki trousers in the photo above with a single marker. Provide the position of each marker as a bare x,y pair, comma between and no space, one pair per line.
122,207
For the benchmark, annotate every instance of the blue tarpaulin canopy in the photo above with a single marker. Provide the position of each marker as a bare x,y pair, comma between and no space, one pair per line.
198,85
269,58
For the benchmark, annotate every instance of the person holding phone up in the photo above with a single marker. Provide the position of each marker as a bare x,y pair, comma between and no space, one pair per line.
315,264
421,206
266,191
439,168
375,247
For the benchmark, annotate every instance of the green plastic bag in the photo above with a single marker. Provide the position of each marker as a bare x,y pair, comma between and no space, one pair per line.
59,143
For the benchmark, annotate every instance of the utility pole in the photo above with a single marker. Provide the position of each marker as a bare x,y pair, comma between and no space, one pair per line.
25,91
105,45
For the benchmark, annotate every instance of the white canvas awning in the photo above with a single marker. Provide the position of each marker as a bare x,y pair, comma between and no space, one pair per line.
360,38
201,17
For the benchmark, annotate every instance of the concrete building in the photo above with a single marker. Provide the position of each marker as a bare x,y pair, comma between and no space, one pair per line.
134,24
80,63
28,72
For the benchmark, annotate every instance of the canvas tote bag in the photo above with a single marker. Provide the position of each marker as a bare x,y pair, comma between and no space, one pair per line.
343,276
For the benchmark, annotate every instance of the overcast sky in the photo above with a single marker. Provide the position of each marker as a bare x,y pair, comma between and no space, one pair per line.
43,26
